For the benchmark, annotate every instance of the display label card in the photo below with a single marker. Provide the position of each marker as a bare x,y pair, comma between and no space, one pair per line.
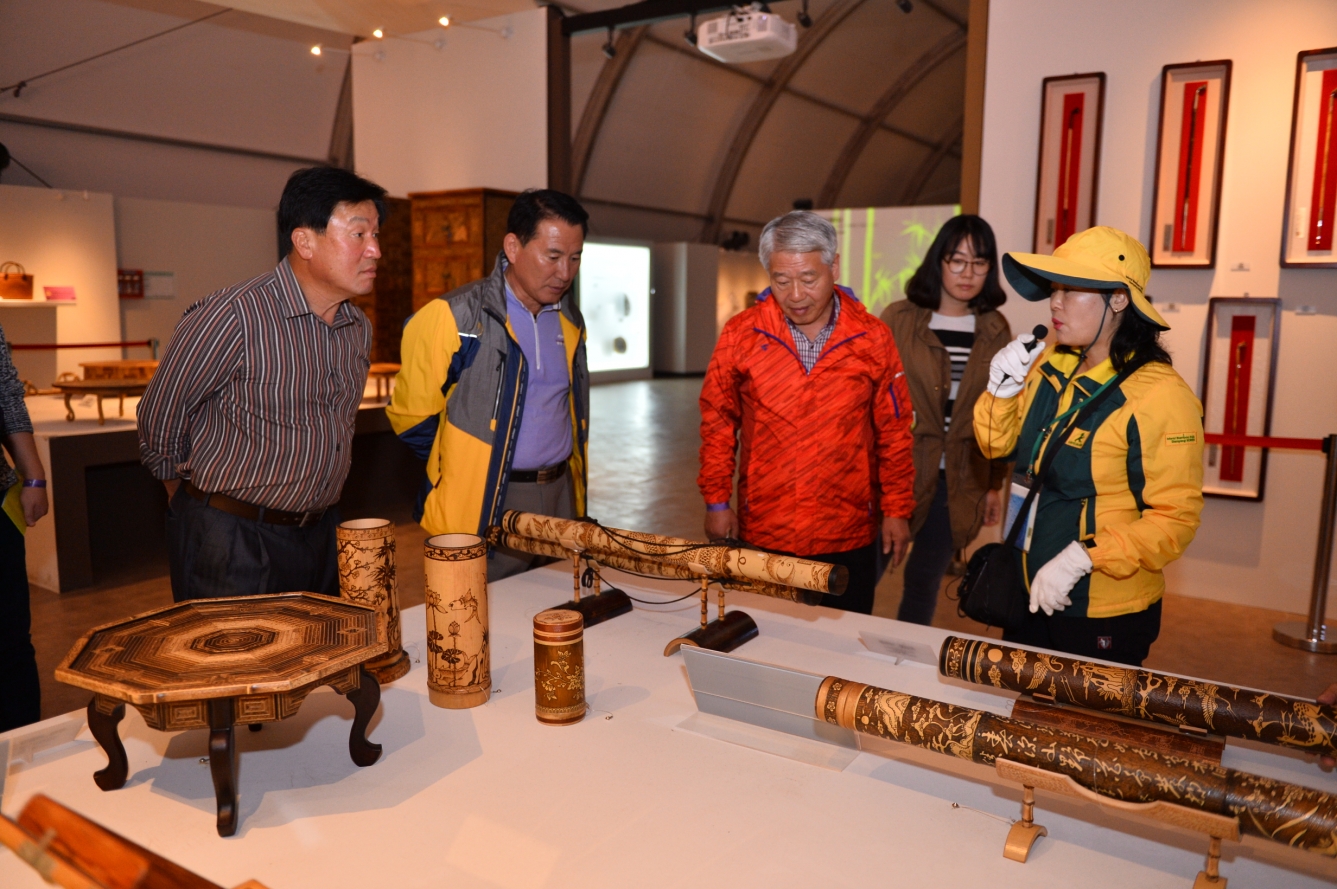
901,649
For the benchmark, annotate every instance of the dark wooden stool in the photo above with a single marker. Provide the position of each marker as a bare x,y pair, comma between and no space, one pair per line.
220,663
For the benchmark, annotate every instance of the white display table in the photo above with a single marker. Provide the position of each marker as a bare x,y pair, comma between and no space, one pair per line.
644,792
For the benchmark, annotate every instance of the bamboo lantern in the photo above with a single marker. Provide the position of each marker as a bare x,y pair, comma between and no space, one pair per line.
459,663
367,577
559,666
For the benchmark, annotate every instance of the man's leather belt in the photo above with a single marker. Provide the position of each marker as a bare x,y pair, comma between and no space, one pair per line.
244,510
542,476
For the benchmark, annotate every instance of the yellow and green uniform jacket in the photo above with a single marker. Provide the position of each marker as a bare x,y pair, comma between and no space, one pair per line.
459,397
1128,482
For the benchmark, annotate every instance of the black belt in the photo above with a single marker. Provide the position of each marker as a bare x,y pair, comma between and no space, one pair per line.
541,476
242,509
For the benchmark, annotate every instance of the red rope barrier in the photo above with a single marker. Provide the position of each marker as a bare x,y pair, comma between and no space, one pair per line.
1264,441
147,344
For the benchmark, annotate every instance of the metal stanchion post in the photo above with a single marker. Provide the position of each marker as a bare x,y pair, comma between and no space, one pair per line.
1313,634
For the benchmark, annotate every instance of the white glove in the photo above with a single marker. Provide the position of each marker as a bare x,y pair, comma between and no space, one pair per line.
1007,370
1053,582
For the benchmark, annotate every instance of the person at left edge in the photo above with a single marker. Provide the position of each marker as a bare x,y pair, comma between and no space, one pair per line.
494,392
248,420
23,494
806,395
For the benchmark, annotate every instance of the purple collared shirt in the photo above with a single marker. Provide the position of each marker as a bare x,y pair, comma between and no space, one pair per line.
544,438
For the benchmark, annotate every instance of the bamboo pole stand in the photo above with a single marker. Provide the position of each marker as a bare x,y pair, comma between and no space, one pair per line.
600,605
1025,832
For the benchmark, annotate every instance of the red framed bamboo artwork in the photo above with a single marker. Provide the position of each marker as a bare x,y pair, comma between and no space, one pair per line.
1190,153
1071,111
1238,379
1311,178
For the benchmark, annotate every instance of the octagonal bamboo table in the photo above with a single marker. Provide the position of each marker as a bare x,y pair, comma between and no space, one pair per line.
219,663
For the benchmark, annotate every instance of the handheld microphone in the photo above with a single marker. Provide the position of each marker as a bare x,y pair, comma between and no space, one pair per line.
1039,332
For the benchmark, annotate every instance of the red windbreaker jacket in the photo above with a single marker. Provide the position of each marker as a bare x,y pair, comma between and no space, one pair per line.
816,448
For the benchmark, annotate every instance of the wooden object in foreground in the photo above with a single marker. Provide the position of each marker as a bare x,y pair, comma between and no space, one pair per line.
1142,694
1275,810
459,658
559,666
219,663
367,576
127,369
73,852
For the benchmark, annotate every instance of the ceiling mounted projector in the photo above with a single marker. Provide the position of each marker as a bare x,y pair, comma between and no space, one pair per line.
747,34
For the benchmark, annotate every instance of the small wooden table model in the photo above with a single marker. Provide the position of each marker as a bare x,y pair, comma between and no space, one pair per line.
100,388
120,369
219,663
383,372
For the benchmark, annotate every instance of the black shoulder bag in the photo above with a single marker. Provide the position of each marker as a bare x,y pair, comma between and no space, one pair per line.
993,590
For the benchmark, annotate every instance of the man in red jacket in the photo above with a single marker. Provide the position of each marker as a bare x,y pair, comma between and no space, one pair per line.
809,385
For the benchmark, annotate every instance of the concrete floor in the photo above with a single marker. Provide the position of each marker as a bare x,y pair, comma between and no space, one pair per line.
643,465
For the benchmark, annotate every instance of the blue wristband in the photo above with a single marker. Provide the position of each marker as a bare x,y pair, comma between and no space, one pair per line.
716,507
34,483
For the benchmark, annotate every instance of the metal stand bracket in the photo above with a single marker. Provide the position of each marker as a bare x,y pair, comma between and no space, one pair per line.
1313,635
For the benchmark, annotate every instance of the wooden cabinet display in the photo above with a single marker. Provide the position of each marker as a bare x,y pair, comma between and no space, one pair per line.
391,302
456,238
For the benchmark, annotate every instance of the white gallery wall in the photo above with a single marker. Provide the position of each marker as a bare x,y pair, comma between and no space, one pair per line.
63,239
1253,553
203,247
470,114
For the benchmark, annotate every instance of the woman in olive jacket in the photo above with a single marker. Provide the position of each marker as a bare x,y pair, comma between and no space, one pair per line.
947,330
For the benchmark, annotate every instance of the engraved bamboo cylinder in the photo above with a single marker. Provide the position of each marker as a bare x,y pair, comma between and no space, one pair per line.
715,561
459,661
651,565
1277,810
559,666
1142,694
366,561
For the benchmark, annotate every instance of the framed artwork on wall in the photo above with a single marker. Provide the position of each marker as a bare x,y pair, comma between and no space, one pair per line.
1190,152
1238,378
1071,111
1311,178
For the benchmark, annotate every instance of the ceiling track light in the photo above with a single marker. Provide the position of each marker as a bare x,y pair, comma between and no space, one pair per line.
609,50
315,50
803,18
690,35
444,21
905,6
378,34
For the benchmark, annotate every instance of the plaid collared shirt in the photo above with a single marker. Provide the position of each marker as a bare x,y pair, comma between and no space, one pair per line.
256,396
810,350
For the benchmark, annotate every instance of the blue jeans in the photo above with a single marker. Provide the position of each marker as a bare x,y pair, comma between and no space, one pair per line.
928,562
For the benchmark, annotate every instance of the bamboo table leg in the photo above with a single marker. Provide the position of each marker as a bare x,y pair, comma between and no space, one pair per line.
1210,876
69,411
104,715
1025,832
223,763
101,420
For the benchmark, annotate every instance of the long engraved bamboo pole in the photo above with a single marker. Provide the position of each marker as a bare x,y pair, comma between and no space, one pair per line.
717,561
1286,813
625,561
1142,694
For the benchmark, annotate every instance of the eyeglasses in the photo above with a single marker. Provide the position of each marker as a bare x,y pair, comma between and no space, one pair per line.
958,266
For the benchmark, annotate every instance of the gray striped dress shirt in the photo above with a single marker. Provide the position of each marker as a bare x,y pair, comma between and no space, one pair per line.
256,396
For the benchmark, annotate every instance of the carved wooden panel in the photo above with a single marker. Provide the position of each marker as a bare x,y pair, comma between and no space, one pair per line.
456,238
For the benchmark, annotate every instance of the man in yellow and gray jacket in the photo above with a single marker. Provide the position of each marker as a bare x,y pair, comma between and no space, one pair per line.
1123,495
494,389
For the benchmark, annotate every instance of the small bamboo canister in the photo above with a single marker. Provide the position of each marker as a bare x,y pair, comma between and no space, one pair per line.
559,666
459,662
367,577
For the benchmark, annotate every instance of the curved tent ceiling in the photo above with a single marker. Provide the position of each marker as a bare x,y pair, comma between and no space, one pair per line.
670,145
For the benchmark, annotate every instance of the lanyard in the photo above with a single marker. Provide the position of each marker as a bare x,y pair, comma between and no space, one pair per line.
1049,427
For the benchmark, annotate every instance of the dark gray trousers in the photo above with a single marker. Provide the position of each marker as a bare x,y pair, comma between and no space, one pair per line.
215,554
554,499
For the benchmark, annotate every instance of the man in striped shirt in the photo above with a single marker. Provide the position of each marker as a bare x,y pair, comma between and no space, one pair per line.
248,420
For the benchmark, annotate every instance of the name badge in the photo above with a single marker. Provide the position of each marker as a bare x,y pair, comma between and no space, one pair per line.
1016,498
